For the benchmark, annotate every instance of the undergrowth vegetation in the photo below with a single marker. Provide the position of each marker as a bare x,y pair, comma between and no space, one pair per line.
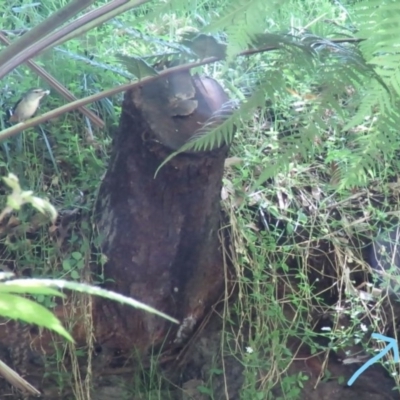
311,182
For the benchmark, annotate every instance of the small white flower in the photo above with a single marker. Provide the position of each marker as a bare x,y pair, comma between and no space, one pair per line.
326,328
364,327
249,350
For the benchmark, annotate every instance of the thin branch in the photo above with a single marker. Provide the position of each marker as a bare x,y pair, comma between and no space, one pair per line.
251,52
6,133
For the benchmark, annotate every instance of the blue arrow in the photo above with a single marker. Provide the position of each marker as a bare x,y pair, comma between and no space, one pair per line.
392,344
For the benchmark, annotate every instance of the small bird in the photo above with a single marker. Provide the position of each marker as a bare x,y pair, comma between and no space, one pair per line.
27,105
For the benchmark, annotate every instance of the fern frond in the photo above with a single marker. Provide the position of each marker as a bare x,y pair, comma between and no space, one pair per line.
371,149
215,133
242,20
211,134
379,23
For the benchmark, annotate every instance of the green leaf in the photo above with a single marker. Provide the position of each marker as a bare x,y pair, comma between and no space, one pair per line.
84,288
34,290
205,46
204,390
66,264
76,255
137,66
17,307
75,274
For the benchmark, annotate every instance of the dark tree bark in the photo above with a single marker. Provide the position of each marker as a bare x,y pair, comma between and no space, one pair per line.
160,234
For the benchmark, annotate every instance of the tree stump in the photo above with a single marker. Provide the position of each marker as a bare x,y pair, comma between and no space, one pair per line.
160,233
